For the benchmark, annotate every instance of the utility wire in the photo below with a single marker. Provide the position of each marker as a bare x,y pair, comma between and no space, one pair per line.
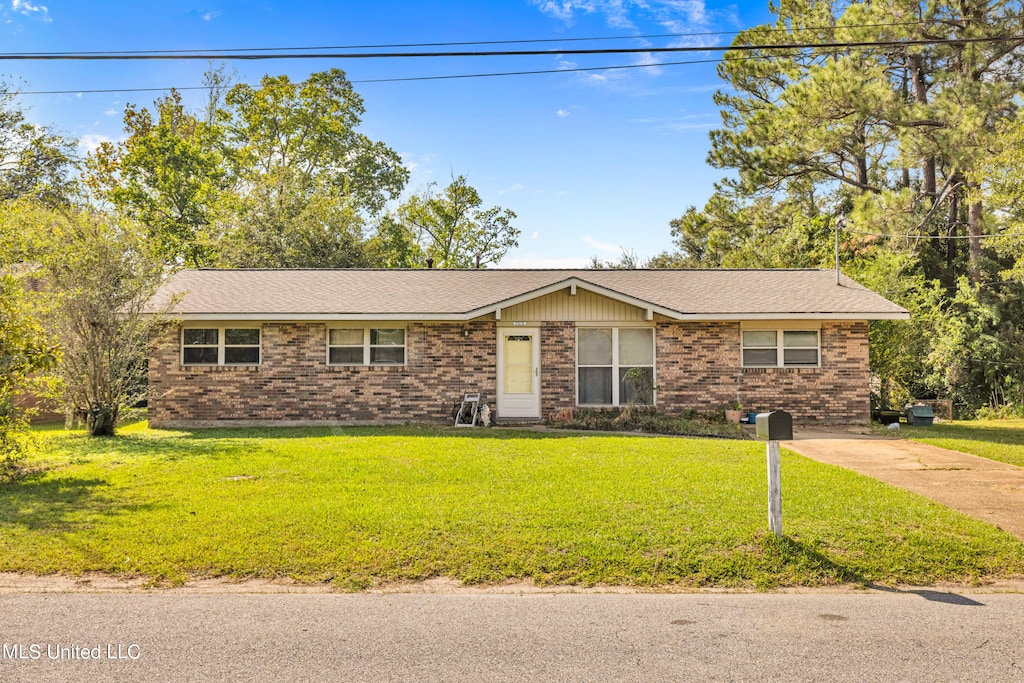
398,79
503,53
922,22
928,237
113,55
537,71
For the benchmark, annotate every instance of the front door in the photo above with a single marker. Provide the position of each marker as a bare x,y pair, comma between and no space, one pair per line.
519,372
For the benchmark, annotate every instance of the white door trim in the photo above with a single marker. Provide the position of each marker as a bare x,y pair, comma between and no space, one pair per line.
518,406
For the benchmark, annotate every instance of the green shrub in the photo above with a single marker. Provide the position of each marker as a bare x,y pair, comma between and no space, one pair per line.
648,420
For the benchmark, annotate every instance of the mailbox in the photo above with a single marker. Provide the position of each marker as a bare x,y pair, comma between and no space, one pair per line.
775,426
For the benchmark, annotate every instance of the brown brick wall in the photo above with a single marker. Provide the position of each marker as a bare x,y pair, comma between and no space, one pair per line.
698,366
557,367
295,384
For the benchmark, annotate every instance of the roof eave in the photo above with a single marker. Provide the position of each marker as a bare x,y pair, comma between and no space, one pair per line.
462,317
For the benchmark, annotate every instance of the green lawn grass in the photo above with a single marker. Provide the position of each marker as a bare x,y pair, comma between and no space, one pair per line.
1001,440
367,506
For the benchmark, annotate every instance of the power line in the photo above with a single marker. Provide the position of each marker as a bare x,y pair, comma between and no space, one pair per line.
806,29
502,53
398,79
547,71
141,54
927,237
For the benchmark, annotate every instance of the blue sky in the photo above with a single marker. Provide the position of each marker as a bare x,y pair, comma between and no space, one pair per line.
591,162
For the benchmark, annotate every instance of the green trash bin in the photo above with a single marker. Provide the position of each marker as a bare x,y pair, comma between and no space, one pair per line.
919,416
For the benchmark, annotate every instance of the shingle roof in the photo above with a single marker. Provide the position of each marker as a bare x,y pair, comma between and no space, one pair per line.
448,294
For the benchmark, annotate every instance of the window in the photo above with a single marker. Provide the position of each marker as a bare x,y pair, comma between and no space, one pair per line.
366,346
220,346
345,347
200,347
799,348
615,366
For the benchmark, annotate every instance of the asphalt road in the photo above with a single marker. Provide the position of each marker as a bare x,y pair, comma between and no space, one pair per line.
920,636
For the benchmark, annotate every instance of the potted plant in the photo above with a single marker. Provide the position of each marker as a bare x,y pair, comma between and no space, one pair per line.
734,412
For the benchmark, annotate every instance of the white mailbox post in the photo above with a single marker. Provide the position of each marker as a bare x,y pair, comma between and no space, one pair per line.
775,426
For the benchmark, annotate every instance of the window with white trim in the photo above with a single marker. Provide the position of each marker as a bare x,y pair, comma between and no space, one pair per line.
366,346
614,366
220,346
781,348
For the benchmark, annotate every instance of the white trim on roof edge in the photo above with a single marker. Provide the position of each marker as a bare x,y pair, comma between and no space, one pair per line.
465,317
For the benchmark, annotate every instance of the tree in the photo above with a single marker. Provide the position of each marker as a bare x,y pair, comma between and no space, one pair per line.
628,260
890,146
35,161
451,229
99,276
841,130
305,180
308,131
170,176
25,349
999,183
268,176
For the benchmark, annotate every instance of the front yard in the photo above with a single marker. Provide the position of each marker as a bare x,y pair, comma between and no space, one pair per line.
362,507
1001,440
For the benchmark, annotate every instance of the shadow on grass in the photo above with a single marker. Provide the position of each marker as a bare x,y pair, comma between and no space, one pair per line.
430,431
170,446
442,431
53,503
804,559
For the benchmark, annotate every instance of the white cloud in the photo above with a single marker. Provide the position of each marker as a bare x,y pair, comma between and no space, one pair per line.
515,187
601,246
681,123
209,16
421,170
111,112
648,59
690,126
678,16
28,9
535,235
561,113
529,261
90,143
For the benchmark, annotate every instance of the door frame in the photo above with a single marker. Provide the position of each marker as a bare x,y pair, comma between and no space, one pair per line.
500,397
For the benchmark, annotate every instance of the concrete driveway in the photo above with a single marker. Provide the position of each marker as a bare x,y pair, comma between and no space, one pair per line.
988,490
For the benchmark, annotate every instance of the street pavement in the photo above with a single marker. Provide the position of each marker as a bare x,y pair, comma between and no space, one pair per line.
875,636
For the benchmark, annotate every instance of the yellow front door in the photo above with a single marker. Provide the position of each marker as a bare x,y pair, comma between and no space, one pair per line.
519,373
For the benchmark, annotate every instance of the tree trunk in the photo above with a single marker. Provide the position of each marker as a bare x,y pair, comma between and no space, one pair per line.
974,225
101,421
952,222
860,137
928,184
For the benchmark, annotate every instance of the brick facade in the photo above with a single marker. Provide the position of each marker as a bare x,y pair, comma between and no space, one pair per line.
294,383
557,367
698,366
